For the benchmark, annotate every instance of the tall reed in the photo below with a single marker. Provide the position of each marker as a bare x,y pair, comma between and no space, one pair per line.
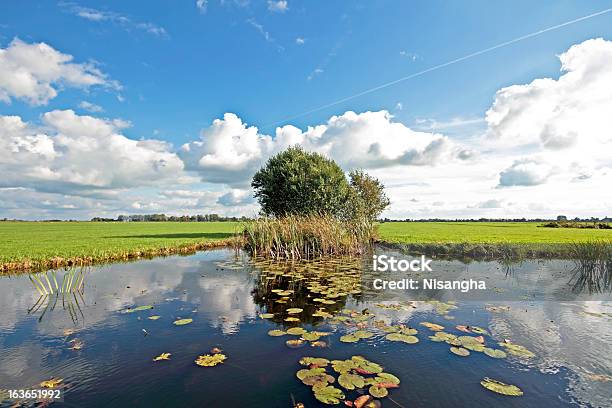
310,236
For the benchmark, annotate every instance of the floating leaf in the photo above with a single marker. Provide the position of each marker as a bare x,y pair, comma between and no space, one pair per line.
351,381
501,388
162,356
363,334
155,317
296,331
292,319
402,337
494,353
320,344
343,366
294,343
328,395
266,315
432,326
318,361
349,338
378,392
302,374
182,322
479,330
460,351
310,336
387,378
516,350
52,383
209,360
294,310
276,333
138,309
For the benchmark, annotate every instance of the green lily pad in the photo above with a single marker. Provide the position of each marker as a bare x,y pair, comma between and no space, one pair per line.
494,353
378,392
343,366
479,330
501,388
294,310
402,337
328,395
349,338
155,317
266,315
210,360
182,322
351,381
318,361
310,336
138,309
387,378
516,350
296,331
294,343
292,319
460,351
276,333
363,334
302,374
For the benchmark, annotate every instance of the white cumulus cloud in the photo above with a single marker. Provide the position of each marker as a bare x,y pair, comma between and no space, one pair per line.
34,73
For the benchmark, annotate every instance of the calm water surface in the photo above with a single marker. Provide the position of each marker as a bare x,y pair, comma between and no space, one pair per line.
543,309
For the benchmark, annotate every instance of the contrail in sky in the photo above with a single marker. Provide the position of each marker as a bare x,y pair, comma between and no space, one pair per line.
446,64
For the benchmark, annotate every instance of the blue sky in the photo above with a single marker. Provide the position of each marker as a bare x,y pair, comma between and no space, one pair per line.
175,67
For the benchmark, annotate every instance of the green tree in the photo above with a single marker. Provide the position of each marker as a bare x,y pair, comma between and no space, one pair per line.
299,182
367,198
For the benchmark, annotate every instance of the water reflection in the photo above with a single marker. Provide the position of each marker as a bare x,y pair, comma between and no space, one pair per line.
224,294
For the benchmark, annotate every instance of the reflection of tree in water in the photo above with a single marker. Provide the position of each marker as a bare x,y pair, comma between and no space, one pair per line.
65,290
314,286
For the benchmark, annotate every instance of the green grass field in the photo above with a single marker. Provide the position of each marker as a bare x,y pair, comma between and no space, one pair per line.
40,241
486,232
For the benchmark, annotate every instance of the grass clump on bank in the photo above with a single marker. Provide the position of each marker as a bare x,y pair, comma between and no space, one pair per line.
307,237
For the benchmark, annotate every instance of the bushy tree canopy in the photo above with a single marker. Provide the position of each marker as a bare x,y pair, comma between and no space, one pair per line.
299,182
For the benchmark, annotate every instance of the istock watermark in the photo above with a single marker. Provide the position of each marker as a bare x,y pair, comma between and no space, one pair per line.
385,263
398,268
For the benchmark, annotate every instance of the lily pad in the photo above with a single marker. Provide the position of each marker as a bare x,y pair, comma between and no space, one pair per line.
328,395
138,309
52,383
294,310
162,356
387,378
501,388
182,322
318,361
516,350
276,333
349,338
460,351
310,336
402,337
378,392
295,343
351,381
363,334
432,326
296,331
494,353
266,315
302,374
155,317
292,319
209,360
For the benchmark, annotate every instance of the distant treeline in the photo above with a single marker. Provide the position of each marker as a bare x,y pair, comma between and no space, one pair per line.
170,218
560,218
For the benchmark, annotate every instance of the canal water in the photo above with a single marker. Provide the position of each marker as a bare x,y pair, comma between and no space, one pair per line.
98,329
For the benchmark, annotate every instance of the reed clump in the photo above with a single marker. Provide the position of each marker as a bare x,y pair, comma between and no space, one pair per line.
307,236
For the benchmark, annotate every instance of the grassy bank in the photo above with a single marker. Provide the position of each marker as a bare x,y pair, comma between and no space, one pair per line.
42,245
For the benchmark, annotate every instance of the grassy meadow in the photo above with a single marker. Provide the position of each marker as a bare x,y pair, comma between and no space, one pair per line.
50,244
485,232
